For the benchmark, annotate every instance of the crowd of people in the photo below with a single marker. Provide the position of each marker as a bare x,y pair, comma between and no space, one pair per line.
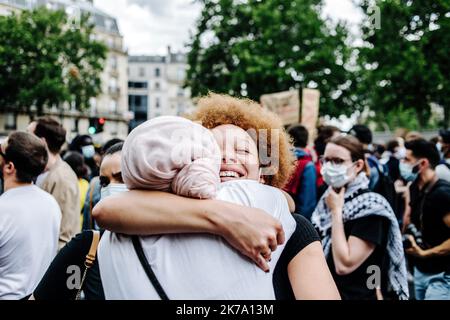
227,204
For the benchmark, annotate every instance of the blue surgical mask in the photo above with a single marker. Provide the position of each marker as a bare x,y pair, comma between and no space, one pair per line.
407,171
112,189
88,151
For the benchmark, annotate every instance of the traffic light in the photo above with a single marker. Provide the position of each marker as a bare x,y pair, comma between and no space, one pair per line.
96,125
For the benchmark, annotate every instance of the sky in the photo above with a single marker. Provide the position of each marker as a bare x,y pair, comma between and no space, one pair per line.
150,26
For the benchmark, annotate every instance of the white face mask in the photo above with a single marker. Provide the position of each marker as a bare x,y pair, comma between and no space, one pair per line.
88,151
112,189
400,153
335,176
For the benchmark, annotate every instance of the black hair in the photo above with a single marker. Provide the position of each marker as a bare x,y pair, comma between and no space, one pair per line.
108,144
362,133
324,134
391,145
445,134
422,148
300,135
114,148
53,133
28,154
80,141
76,161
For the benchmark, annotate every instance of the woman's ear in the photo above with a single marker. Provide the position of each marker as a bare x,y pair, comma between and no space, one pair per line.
360,165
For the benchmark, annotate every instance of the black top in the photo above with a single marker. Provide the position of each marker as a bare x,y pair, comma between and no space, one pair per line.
393,168
303,235
53,285
353,286
436,204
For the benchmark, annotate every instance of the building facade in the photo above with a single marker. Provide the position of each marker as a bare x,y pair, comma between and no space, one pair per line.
112,103
155,87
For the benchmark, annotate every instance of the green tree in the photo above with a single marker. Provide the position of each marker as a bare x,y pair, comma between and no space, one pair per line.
254,47
47,59
404,64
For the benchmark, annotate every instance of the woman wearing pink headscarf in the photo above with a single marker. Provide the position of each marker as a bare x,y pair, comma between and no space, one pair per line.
172,154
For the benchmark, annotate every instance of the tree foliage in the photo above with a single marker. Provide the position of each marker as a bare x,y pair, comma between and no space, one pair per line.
405,63
47,59
253,47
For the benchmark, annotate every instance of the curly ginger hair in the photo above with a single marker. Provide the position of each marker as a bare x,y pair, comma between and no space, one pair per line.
215,110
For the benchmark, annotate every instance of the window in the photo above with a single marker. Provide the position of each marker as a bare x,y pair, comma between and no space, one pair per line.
157,103
108,24
142,72
138,105
157,86
180,92
11,121
113,63
75,128
181,74
113,83
137,85
157,72
113,106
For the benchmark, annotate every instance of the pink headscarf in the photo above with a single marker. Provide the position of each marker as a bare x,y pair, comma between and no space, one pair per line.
172,154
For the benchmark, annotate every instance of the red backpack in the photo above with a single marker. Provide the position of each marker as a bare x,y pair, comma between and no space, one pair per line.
292,186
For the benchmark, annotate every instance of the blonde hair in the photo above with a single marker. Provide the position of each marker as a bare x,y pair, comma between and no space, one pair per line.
214,110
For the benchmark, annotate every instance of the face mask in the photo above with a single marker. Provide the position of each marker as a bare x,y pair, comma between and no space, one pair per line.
335,175
400,153
407,171
88,151
112,189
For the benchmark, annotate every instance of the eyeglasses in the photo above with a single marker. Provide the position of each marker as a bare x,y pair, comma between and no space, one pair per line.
334,161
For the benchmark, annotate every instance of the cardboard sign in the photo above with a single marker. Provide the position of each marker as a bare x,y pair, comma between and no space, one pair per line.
285,104
310,110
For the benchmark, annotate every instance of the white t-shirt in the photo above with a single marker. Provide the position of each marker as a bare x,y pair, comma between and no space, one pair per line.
195,266
443,172
29,231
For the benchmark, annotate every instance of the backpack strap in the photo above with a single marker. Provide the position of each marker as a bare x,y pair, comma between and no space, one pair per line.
90,259
147,268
